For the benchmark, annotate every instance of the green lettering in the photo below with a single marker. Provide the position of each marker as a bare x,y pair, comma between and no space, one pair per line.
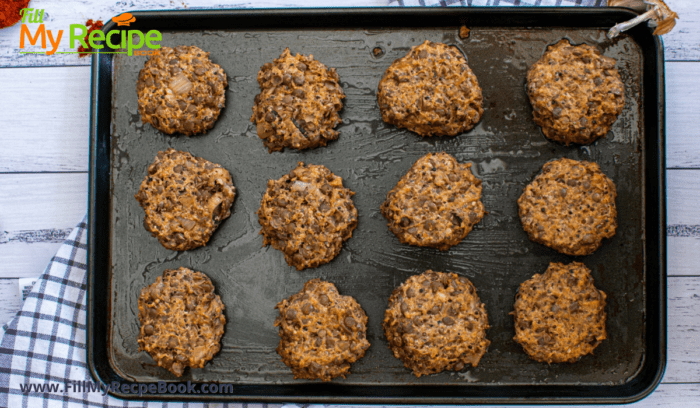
131,45
153,35
38,16
80,37
94,36
123,43
110,44
24,13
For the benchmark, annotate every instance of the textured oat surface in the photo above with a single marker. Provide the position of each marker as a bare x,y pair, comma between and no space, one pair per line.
298,103
560,315
431,91
321,332
307,214
185,198
436,204
181,91
575,92
569,206
435,322
181,319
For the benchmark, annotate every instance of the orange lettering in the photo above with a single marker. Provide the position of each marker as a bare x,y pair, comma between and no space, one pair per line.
54,44
32,40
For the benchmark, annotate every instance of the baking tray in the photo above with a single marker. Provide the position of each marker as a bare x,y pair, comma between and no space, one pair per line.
506,148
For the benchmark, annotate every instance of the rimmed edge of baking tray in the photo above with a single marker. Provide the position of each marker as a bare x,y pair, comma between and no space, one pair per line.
643,382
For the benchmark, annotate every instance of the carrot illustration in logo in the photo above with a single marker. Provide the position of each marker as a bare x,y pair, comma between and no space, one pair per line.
124,19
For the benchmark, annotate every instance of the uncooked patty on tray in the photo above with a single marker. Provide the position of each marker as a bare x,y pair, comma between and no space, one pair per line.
184,198
298,103
321,332
436,204
307,214
431,91
182,320
181,91
576,93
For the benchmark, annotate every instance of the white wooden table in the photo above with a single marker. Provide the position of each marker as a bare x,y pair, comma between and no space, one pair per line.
44,105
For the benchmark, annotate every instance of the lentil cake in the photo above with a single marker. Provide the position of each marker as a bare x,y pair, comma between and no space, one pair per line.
298,103
185,198
570,207
431,91
181,91
307,214
560,315
321,332
182,320
576,93
436,204
435,322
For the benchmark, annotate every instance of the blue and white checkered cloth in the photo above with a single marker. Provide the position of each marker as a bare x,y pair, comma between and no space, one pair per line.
45,343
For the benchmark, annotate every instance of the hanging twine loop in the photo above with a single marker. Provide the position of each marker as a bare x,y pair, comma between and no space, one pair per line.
657,15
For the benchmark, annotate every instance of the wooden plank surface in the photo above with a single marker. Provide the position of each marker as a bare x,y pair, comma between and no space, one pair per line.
683,363
10,299
41,201
44,116
683,43
682,114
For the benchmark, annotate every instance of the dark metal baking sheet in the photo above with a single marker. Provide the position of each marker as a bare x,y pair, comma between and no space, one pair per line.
506,148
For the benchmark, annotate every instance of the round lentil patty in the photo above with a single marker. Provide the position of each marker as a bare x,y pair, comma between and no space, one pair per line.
570,207
436,204
431,91
307,214
298,103
560,315
575,92
182,320
184,198
181,91
321,332
435,322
